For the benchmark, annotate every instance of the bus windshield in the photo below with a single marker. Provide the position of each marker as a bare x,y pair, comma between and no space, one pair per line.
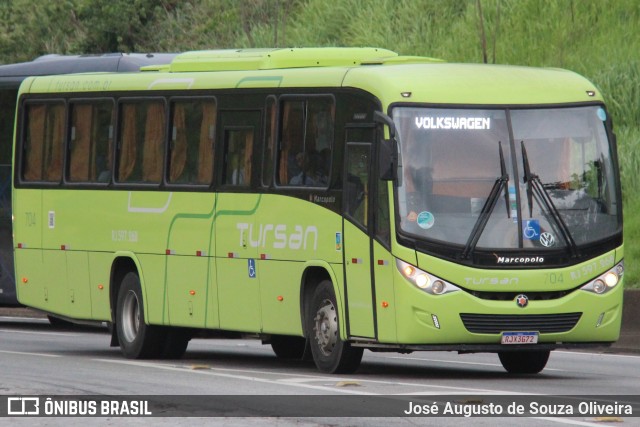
506,179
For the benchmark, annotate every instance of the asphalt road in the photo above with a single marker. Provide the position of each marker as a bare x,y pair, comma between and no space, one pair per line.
37,359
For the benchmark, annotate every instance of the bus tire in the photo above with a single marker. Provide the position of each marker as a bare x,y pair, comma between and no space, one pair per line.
137,340
175,343
330,353
524,362
288,347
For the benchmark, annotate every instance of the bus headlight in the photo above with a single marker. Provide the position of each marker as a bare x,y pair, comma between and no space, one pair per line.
425,281
606,281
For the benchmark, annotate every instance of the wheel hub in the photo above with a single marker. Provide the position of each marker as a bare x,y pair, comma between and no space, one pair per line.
130,317
326,328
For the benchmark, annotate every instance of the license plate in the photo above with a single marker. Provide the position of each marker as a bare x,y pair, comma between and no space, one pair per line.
519,338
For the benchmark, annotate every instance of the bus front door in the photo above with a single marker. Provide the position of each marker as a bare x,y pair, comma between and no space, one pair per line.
357,234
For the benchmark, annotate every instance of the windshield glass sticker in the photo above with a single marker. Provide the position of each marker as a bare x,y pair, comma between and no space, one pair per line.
531,229
426,220
513,204
455,123
476,205
602,115
547,239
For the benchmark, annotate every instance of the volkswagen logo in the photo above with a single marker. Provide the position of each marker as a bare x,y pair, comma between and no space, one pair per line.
522,300
547,239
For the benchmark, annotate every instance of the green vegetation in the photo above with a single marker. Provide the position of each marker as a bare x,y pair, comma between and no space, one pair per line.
596,38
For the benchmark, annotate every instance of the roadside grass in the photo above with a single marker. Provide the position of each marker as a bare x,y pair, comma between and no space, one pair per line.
629,160
632,243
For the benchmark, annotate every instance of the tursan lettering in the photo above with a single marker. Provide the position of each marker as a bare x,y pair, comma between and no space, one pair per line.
455,123
278,236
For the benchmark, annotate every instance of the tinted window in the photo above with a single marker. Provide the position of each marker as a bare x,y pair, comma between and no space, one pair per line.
44,142
141,137
91,141
192,141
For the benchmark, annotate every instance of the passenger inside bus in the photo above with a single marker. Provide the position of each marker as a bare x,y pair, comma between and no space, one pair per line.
311,173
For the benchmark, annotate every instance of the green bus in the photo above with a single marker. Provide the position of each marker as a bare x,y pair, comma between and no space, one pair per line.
325,200
11,76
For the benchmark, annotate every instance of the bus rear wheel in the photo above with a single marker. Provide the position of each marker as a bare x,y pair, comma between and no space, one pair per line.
524,362
330,353
175,343
137,340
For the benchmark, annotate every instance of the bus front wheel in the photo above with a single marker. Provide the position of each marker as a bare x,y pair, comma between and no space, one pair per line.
524,362
330,353
137,339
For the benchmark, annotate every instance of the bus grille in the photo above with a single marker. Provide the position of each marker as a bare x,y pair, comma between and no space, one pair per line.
497,323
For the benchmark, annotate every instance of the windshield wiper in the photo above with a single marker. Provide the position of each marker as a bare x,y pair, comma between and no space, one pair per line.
536,188
499,186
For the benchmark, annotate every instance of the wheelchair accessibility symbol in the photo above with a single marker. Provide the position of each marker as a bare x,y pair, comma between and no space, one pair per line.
531,229
252,268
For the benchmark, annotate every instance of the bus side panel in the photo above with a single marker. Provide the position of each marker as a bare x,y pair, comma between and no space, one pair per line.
152,278
30,273
189,244
236,255
140,226
213,314
99,284
359,292
63,230
28,219
383,266
292,233
57,296
280,296
78,284
30,278
187,290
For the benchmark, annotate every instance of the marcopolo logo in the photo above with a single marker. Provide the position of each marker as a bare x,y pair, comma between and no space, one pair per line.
518,259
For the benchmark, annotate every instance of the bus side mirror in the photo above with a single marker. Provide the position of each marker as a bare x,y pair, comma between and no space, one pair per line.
387,151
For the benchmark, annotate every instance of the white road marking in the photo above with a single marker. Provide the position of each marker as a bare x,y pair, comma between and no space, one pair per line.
61,334
25,353
582,353
214,372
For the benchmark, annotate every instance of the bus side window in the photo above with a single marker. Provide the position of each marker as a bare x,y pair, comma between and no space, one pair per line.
192,142
141,142
91,141
44,142
292,141
307,141
238,156
357,180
